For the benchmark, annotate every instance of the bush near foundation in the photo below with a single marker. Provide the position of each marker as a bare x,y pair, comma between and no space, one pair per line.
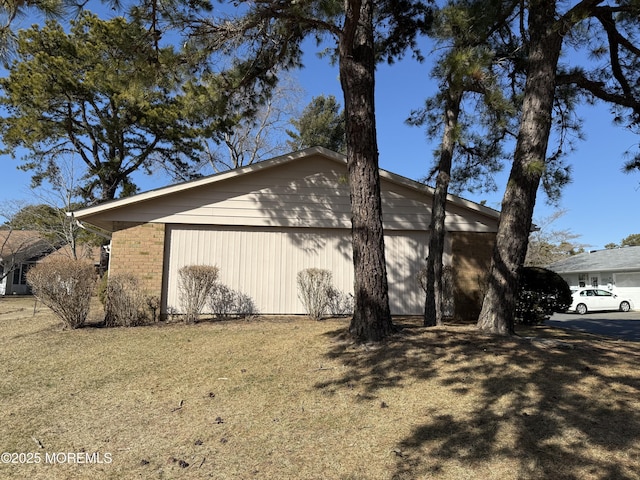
340,304
65,286
314,291
125,302
542,293
195,284
225,302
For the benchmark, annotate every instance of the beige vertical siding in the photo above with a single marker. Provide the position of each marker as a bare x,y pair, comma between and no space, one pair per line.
405,253
264,263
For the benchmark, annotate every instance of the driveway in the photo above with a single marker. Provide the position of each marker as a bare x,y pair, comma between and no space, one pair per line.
621,325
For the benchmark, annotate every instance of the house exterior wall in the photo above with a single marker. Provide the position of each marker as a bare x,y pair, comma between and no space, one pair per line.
15,283
471,259
624,284
264,263
139,250
262,224
311,193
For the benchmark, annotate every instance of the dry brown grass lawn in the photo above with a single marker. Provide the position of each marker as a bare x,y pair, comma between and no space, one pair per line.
290,398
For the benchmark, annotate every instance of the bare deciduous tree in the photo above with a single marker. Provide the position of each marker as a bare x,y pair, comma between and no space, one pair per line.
260,136
547,245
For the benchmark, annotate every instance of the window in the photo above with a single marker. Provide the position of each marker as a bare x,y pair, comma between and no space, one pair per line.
603,293
582,279
20,274
594,281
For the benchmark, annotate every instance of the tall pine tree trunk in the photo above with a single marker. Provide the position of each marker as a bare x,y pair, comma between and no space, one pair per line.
498,308
433,310
372,317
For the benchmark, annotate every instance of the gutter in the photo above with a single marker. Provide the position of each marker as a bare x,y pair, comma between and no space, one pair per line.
88,229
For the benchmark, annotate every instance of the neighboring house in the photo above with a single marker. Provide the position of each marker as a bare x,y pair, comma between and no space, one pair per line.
19,251
98,256
263,223
617,269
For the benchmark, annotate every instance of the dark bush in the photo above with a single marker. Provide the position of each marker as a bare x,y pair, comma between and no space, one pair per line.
542,293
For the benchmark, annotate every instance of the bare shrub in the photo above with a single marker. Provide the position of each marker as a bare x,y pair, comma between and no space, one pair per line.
101,290
195,283
226,302
65,286
245,306
222,300
314,285
153,302
125,302
340,303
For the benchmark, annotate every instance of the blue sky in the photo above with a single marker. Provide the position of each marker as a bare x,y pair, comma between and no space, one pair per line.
600,202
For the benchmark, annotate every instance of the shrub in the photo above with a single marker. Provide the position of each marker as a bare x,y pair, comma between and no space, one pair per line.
225,302
314,287
222,300
65,286
195,284
340,303
102,288
245,306
125,302
153,302
542,292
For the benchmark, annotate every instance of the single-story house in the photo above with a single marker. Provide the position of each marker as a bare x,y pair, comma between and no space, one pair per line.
97,255
616,269
19,251
261,224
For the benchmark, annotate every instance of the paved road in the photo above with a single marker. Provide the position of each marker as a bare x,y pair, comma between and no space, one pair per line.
614,324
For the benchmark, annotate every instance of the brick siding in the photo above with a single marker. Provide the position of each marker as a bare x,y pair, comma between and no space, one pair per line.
139,250
471,252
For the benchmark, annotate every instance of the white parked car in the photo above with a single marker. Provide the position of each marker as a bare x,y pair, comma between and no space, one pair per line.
591,299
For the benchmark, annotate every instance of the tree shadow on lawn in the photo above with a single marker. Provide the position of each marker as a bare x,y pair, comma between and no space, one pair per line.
535,407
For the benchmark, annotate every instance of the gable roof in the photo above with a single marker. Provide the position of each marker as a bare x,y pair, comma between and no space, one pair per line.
103,215
84,251
617,259
23,245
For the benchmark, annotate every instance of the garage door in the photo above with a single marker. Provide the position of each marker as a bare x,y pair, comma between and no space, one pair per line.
264,262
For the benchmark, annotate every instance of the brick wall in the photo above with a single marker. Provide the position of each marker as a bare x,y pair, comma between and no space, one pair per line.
139,250
471,257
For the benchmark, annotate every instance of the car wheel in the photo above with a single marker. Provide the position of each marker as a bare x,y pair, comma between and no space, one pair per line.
625,307
581,309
